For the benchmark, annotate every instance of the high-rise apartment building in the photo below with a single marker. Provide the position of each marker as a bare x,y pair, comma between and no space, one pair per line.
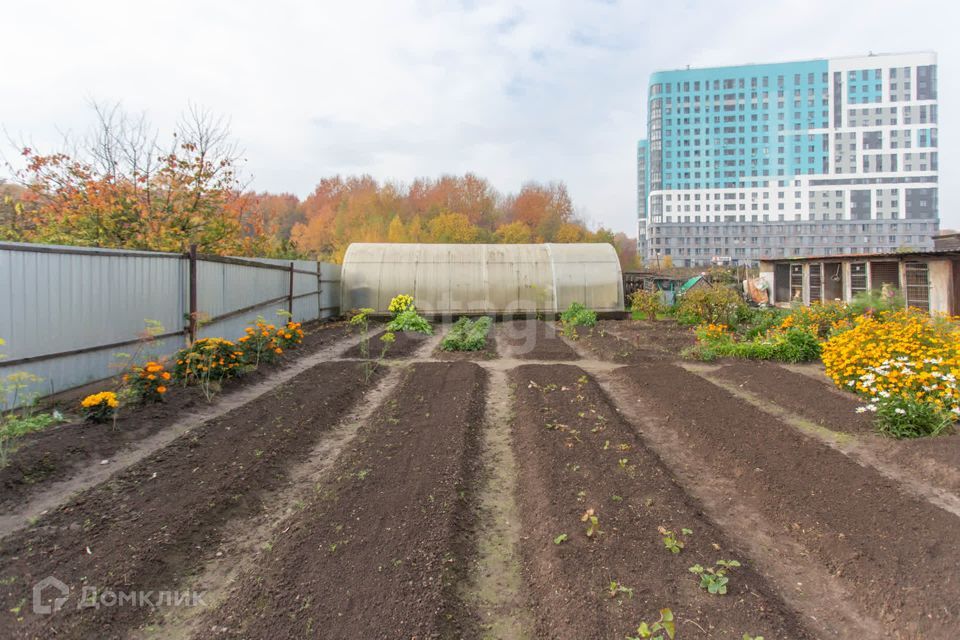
799,158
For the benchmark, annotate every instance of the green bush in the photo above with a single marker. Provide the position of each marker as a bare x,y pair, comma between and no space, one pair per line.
410,320
712,305
797,345
900,416
876,301
647,303
577,315
793,345
467,335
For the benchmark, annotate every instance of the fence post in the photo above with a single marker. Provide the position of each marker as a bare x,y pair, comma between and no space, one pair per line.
319,292
290,294
193,293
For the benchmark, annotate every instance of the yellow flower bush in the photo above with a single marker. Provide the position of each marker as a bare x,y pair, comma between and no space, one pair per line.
400,303
149,381
99,407
208,359
820,319
905,363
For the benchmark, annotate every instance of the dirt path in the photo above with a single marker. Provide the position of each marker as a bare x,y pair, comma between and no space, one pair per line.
494,588
52,495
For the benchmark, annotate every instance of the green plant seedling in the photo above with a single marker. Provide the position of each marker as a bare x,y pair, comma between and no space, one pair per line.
616,588
560,539
593,527
671,540
665,623
714,579
747,636
623,462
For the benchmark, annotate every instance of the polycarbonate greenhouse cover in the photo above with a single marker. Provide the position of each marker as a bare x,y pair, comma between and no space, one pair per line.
482,278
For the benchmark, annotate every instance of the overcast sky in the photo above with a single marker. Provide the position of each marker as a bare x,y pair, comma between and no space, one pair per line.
512,91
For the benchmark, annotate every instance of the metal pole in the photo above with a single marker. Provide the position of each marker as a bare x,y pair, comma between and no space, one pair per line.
192,330
290,295
319,291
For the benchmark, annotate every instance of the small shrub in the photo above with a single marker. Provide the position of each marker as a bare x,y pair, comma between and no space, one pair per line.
361,320
467,335
410,320
905,417
259,344
714,305
796,345
99,407
207,361
875,302
149,382
647,303
577,315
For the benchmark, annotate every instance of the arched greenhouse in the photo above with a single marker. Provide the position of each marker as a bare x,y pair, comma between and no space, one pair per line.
483,278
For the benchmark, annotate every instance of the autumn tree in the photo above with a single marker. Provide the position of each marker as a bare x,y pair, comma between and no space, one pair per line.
515,232
122,188
452,227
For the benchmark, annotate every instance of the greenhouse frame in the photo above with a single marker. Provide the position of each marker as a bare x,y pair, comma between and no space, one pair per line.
502,279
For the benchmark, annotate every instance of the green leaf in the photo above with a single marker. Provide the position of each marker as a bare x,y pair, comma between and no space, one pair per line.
560,539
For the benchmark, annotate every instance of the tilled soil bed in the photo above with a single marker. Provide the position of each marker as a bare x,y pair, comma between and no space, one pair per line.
575,453
149,525
405,344
532,340
55,453
378,551
605,345
889,550
937,460
664,335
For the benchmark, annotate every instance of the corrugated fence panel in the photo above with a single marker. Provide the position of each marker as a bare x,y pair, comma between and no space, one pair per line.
63,299
57,302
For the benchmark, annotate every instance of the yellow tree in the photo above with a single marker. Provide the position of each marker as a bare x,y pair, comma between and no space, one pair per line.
396,231
514,233
452,227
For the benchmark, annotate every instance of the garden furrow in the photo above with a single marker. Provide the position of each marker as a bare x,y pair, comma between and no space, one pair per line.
35,499
532,340
380,547
153,523
249,537
851,446
931,464
575,454
885,550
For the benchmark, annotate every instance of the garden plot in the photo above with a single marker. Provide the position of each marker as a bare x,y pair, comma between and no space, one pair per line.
59,452
404,345
376,553
148,526
532,340
577,454
934,461
445,500
885,549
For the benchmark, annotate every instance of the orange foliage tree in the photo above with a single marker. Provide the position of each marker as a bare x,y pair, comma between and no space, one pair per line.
122,189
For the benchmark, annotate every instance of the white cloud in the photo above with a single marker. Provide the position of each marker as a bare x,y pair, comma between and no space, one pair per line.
400,89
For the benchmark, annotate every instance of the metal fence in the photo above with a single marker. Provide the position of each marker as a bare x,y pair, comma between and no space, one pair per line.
66,312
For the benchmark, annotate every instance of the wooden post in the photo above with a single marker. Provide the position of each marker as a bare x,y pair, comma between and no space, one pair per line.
192,330
290,294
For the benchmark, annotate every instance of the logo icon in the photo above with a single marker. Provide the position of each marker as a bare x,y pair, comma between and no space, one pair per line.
38,606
